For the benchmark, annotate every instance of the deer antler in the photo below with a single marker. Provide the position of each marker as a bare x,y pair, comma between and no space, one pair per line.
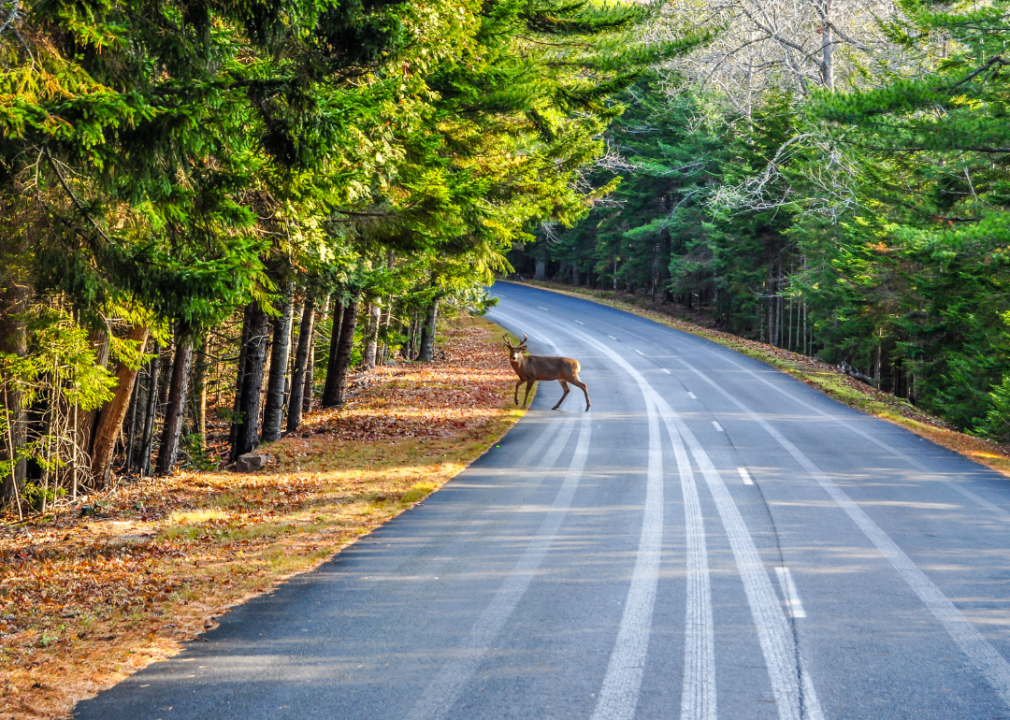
523,343
508,343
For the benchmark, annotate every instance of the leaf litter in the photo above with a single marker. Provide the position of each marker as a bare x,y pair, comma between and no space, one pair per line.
87,601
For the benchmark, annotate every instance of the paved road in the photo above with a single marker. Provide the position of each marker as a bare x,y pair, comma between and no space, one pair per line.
712,540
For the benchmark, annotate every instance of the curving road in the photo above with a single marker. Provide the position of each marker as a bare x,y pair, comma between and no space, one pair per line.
712,540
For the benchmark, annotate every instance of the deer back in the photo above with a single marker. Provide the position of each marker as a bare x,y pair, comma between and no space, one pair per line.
541,367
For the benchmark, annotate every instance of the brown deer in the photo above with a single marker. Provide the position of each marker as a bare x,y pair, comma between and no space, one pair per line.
531,368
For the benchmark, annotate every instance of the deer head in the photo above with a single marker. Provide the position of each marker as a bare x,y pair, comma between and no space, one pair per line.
515,351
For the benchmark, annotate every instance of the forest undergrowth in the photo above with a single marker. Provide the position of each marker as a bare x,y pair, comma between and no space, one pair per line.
827,378
88,599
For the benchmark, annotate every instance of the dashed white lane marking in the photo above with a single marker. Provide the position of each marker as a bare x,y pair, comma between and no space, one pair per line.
543,308
745,476
611,337
717,426
640,353
774,632
955,486
439,697
580,322
665,370
986,659
692,396
792,597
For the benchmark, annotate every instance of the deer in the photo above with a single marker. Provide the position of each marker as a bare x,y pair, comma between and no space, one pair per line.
531,368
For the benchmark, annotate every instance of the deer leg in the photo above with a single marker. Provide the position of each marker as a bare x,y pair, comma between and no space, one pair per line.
565,386
582,385
516,394
529,386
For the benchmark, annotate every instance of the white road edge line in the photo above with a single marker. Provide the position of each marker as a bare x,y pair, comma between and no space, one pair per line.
993,667
745,476
717,426
439,697
789,593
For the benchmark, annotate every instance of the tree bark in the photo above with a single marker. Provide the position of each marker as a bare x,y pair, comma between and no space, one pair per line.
373,311
343,357
247,434
273,413
199,394
131,435
14,340
298,375
175,413
239,379
144,461
110,417
386,320
330,385
827,46
428,333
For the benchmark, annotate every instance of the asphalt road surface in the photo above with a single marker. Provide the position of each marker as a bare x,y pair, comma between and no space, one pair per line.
712,540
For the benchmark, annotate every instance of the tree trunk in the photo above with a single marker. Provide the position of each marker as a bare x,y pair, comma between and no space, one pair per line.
131,435
428,333
298,375
110,417
239,379
827,46
273,413
199,394
330,385
175,413
343,357
247,435
310,362
144,461
387,318
373,312
14,340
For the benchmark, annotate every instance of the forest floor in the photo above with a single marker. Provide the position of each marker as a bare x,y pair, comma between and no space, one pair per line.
826,378
86,601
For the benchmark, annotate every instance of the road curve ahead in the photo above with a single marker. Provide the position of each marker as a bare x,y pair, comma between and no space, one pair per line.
712,540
